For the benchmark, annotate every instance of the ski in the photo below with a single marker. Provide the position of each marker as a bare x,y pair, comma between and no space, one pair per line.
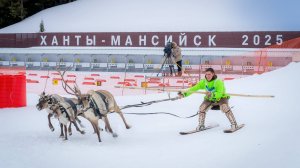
194,131
233,130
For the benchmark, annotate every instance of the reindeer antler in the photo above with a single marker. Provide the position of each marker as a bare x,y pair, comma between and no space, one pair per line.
75,91
76,87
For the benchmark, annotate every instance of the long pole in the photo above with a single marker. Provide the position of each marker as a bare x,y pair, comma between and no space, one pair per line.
199,92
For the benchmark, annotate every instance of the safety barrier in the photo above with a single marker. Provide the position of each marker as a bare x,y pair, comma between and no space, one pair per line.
88,83
70,81
101,80
71,75
163,84
88,78
12,91
127,84
114,77
182,81
32,81
32,74
57,79
228,78
107,80
139,76
130,80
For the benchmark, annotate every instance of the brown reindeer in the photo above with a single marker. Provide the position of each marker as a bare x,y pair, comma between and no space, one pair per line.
66,112
50,103
95,105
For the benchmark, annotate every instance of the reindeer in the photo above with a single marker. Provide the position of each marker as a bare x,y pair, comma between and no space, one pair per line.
66,112
95,105
50,103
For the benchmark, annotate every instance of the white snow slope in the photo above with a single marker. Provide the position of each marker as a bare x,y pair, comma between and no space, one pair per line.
164,16
270,138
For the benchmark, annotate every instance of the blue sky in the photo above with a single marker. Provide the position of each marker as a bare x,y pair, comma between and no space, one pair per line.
280,14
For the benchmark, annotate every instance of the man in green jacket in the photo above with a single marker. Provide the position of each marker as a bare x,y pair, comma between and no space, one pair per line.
215,96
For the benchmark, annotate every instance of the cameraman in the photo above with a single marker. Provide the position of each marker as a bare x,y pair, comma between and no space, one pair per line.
176,52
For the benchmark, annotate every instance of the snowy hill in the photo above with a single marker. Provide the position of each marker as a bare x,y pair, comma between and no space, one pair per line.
269,139
164,16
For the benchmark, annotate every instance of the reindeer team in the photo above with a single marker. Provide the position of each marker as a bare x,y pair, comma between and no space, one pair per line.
93,105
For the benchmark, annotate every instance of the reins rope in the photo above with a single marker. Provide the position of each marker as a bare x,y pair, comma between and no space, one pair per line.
164,113
142,104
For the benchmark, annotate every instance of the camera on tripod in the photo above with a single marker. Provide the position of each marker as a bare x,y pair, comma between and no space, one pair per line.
167,60
168,49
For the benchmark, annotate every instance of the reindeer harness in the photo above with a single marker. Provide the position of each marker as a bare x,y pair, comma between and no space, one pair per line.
96,108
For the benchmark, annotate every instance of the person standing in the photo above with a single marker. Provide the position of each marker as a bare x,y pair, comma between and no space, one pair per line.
215,96
176,52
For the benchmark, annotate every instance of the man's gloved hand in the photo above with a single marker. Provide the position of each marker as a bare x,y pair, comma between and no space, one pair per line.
208,94
180,95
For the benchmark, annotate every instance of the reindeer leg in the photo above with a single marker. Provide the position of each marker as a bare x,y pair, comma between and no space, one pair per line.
79,122
92,125
123,118
100,129
70,129
97,130
49,122
77,128
61,131
66,132
107,125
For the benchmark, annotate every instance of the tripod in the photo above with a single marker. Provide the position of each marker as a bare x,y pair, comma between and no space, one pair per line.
168,60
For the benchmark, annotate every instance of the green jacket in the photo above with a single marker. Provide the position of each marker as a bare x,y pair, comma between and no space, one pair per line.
216,87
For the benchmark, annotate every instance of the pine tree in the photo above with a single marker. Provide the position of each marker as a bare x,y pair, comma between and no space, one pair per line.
17,10
42,27
13,11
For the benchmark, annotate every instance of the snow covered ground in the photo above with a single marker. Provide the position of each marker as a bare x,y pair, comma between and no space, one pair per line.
270,138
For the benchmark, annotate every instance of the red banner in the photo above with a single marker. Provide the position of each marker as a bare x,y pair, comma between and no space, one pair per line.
257,39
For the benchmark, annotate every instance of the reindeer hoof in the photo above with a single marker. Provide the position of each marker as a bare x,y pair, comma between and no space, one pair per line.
61,136
128,127
52,129
82,132
70,133
114,135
